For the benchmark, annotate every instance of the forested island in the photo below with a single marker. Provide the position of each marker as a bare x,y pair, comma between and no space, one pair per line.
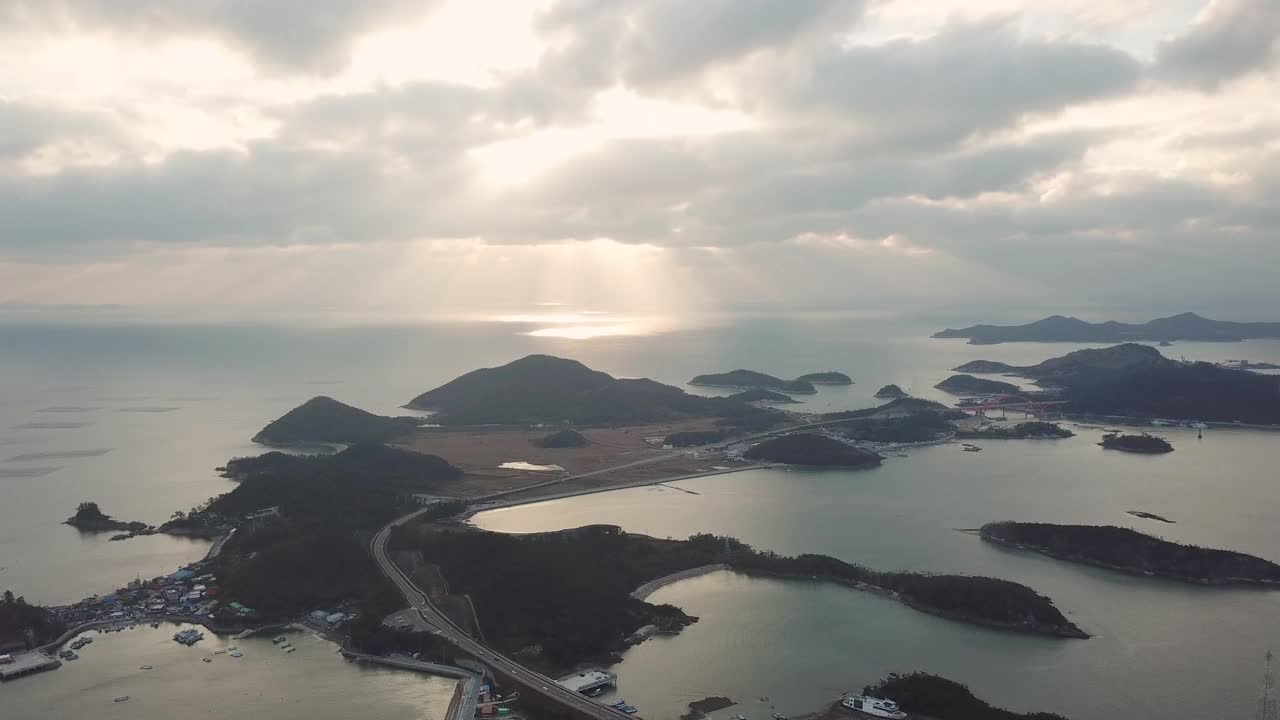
812,449
970,385
1057,328
1137,381
942,699
325,420
830,377
1141,443
1021,431
1130,551
562,598
749,379
544,389
891,392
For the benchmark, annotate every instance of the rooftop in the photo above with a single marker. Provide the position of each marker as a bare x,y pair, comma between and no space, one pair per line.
587,679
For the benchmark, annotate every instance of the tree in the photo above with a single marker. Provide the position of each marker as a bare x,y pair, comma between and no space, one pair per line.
8,597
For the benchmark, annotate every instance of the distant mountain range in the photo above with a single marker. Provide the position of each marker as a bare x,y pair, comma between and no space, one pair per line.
1057,328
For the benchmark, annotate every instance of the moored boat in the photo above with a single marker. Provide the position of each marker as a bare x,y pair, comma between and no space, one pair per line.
875,707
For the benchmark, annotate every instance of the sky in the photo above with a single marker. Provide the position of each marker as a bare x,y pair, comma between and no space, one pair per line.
385,159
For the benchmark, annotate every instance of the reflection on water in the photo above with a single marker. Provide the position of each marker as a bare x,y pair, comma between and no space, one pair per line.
1158,649
267,682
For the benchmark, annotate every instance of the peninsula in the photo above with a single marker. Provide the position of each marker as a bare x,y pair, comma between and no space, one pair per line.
812,449
1057,328
750,379
1137,381
575,603
924,695
1021,431
1118,548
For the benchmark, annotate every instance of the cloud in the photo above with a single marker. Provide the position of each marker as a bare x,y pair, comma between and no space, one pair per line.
1229,39
650,42
297,35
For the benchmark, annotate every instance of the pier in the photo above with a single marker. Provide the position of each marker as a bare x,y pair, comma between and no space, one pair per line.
26,663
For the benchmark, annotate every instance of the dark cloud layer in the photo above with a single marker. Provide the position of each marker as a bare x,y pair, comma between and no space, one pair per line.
1232,38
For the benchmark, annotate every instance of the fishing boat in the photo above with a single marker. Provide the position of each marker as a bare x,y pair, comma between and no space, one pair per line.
207,659
875,707
145,667
292,649
122,698
236,654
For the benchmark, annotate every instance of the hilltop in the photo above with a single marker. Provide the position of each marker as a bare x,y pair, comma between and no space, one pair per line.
812,449
325,420
1057,328
1136,380
970,385
748,379
891,391
546,389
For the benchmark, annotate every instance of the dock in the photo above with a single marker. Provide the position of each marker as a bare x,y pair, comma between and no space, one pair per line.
27,663
587,680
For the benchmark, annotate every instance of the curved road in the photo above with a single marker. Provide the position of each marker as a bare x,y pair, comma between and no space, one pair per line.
434,620
427,617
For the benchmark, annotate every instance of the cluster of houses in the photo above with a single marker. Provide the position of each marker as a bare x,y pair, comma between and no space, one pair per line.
189,592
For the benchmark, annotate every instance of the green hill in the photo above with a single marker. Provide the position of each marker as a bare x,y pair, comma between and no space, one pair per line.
812,449
748,379
325,420
546,389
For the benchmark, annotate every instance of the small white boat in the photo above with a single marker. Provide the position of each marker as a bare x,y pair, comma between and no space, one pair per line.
292,649
219,652
207,659
145,667
236,654
875,707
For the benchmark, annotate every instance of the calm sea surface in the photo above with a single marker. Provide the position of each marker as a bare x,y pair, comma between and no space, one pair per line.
137,417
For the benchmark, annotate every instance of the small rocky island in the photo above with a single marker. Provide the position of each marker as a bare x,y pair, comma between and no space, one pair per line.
1118,548
970,385
985,367
891,392
1142,443
1021,431
750,379
814,450
829,377
90,518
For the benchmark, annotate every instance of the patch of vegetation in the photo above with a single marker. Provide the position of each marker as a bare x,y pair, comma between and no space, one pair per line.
916,427
943,699
1128,550
693,438
286,569
360,487
752,379
1021,431
812,449
325,420
762,395
970,385
26,625
546,389
566,438
901,406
